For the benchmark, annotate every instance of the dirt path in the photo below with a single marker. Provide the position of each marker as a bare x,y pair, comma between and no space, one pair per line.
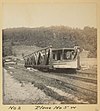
16,92
46,88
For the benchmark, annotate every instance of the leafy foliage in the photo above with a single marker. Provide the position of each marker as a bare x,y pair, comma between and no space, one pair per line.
57,36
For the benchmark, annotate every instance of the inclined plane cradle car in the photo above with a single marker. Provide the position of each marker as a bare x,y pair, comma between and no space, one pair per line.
54,58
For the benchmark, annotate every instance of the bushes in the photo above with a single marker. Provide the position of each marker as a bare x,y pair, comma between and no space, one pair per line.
57,36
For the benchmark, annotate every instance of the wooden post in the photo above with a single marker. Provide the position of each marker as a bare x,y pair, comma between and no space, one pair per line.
62,56
51,58
78,58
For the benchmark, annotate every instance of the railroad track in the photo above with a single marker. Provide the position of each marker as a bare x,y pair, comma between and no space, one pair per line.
72,83
77,76
61,77
87,74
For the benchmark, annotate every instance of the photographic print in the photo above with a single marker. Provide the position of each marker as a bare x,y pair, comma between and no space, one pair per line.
49,53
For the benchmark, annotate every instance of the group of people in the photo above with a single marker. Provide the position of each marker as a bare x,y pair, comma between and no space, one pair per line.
70,55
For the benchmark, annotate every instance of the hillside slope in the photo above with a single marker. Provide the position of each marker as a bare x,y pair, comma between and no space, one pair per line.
57,36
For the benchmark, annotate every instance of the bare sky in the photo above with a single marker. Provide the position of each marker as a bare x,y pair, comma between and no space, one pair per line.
36,15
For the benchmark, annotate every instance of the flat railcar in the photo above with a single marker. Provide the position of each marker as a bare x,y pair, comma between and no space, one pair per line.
54,58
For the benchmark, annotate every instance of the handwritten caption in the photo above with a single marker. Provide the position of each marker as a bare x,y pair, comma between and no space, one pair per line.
54,107
14,107
38,107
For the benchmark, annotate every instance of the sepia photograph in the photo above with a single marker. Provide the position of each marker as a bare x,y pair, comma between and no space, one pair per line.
49,53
